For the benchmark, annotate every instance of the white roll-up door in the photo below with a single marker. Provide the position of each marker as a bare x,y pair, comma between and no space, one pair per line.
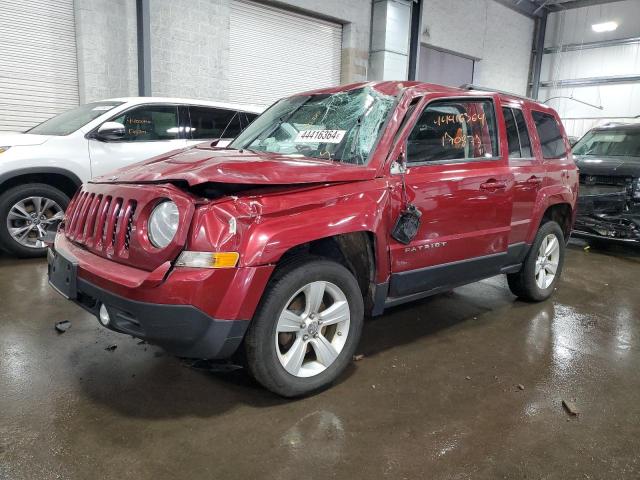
274,53
38,66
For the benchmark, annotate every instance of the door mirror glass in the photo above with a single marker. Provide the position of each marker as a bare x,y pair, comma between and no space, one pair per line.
111,131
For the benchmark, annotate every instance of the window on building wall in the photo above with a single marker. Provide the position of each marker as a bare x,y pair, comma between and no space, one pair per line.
550,135
454,130
444,68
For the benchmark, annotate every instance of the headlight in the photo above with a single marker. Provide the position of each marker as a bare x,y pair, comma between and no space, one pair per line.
163,223
4,149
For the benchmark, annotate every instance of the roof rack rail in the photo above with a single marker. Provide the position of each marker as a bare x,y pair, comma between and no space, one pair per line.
471,86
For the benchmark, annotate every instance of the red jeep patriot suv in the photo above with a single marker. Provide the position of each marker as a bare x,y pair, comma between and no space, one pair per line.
332,205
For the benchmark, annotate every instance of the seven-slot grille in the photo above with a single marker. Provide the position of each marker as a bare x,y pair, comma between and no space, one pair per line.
102,223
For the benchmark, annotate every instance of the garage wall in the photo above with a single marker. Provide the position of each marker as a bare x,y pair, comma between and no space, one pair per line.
275,53
620,102
107,49
497,37
190,43
189,48
37,62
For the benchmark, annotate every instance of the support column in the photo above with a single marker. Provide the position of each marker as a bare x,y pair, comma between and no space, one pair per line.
144,48
541,32
390,33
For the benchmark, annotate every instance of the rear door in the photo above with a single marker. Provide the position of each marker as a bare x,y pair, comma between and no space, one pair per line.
150,130
528,171
463,186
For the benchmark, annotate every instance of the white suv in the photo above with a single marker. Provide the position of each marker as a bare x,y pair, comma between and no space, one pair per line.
40,170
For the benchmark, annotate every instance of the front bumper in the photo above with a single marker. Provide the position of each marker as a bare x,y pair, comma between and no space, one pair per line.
607,216
149,311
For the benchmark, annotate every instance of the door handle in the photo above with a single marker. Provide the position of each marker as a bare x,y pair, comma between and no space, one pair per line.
534,181
492,186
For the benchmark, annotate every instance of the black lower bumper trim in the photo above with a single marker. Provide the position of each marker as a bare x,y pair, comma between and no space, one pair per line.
182,330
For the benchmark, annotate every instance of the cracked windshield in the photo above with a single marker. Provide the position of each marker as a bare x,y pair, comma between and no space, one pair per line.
342,127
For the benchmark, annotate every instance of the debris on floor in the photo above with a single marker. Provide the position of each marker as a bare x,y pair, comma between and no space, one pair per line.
571,407
467,378
587,248
63,326
357,358
214,366
520,386
111,348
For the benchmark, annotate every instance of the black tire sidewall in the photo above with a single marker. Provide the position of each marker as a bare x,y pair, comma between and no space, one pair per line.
531,286
10,198
262,358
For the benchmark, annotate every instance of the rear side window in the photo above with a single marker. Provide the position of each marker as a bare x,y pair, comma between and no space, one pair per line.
454,130
523,132
211,123
517,133
512,133
551,139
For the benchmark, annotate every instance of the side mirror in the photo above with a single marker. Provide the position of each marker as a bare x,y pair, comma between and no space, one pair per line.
111,131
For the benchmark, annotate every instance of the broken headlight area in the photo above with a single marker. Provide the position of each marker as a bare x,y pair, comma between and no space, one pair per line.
616,227
610,211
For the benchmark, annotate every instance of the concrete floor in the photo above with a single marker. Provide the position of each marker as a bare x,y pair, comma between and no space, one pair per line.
436,395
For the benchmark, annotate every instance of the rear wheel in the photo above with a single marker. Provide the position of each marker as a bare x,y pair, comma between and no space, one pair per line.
542,267
306,329
27,212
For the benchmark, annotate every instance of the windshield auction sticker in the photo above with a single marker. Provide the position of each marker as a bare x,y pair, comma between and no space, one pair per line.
320,136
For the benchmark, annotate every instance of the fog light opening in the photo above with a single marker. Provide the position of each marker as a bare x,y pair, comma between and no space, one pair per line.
103,316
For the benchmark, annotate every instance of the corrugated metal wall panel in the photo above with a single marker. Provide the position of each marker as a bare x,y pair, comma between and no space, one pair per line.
275,53
38,63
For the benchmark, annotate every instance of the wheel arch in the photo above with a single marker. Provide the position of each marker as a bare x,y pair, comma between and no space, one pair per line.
355,250
557,204
60,178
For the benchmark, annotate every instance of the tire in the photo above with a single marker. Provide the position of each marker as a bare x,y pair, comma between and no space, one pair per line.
53,202
268,347
526,284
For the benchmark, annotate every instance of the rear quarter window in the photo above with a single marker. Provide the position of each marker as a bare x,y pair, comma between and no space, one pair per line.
550,134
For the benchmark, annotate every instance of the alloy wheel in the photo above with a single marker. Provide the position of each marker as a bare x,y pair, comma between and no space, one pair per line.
312,329
30,218
547,261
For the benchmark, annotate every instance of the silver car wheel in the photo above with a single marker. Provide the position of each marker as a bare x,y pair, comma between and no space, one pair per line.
547,261
312,329
30,218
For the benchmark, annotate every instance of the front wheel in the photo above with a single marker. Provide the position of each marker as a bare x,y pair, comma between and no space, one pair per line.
542,267
306,329
27,212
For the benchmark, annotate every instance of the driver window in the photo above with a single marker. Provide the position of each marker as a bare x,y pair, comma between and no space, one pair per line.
149,123
454,130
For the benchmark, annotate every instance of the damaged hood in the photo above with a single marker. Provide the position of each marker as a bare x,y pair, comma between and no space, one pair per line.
618,166
200,164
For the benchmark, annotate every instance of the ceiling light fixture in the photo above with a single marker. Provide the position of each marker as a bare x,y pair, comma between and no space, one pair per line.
604,27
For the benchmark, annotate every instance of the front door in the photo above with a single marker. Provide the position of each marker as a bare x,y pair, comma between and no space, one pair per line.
463,187
528,173
150,130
